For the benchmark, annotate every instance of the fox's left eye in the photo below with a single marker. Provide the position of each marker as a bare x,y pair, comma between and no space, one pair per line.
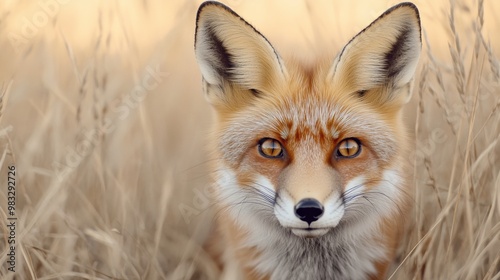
348,148
270,148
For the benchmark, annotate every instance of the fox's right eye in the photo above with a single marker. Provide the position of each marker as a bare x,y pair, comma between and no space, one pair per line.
349,148
270,148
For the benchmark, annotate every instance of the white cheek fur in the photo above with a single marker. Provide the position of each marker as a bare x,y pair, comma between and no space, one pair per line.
243,205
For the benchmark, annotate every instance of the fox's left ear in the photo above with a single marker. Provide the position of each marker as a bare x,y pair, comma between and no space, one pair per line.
383,57
231,52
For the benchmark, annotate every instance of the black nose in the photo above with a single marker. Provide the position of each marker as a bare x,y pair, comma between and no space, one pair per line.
309,210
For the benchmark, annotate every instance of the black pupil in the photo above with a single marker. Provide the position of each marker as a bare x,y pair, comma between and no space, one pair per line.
349,148
272,146
347,152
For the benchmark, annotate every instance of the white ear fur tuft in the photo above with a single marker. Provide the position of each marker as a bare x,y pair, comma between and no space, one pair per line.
385,53
228,49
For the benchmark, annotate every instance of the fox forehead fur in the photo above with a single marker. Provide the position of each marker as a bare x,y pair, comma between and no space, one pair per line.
309,111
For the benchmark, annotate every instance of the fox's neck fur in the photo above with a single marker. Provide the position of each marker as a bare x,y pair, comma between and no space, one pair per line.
347,252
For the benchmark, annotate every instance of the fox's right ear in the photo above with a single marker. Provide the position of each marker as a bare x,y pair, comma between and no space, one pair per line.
383,56
230,52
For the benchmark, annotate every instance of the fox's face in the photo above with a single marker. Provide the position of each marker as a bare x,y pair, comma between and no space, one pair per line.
308,148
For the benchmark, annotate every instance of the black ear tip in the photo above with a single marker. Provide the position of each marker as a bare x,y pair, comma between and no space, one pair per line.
407,5
216,4
210,3
412,7
205,5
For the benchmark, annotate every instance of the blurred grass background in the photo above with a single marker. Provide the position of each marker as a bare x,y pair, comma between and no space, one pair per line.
103,116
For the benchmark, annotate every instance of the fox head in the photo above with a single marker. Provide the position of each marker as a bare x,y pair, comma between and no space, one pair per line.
308,149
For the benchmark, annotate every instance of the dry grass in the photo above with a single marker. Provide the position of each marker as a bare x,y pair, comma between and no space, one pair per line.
111,173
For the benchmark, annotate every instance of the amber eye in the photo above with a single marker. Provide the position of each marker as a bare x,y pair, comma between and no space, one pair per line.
349,148
270,148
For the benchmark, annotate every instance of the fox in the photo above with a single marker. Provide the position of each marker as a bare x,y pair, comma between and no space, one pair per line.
311,160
